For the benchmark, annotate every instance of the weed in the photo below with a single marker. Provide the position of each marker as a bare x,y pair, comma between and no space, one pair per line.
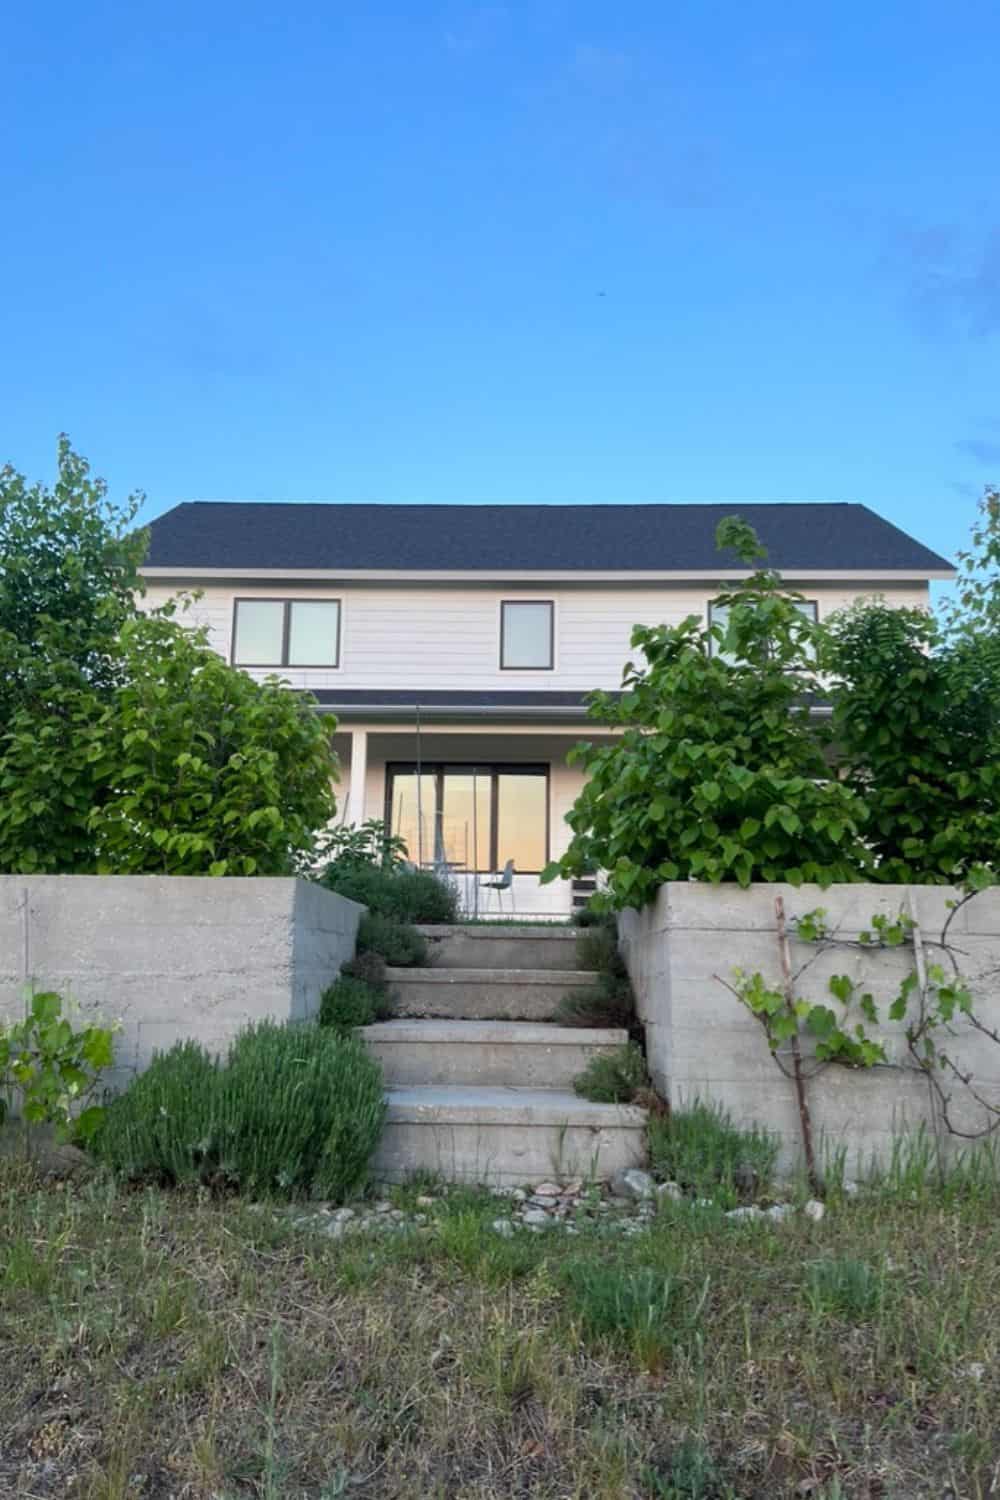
467,1236
369,966
350,1002
613,1077
609,1003
597,949
702,1149
641,1308
844,1287
690,1473
509,1365
399,945
917,1170
23,1268
273,1486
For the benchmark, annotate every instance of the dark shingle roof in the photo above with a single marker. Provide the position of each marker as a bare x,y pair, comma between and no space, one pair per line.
508,538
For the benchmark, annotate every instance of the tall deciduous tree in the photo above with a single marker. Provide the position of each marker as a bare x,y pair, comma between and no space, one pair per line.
718,772
69,579
127,745
916,719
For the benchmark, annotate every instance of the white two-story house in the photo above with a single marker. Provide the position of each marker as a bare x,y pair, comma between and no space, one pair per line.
455,645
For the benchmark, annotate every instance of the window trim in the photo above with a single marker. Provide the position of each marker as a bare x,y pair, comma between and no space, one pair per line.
494,770
551,603
713,645
286,630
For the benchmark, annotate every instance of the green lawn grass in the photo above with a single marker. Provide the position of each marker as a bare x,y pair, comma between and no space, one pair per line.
168,1345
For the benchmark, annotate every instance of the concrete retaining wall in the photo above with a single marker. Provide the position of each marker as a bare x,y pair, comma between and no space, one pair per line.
703,1044
172,957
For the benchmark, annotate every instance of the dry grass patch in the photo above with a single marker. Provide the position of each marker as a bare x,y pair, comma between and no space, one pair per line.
161,1346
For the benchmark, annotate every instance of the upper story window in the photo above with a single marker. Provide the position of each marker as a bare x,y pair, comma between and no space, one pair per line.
527,635
286,633
718,614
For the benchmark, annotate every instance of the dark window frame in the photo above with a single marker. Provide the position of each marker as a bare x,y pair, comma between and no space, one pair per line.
713,645
286,630
494,770
551,605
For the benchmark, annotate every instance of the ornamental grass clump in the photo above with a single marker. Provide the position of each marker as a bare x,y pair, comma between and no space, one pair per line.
160,1130
297,1109
300,1110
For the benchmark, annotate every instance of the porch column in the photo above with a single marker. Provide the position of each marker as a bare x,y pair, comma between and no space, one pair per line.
354,812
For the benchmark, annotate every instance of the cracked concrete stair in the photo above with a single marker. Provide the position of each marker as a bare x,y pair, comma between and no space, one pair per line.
481,1089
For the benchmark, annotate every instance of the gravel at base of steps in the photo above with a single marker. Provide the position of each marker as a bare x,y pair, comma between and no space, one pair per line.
570,1208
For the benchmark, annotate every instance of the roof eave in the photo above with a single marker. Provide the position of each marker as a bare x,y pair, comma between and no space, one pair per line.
178,574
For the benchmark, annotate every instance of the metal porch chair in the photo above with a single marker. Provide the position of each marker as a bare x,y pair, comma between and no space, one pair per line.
504,881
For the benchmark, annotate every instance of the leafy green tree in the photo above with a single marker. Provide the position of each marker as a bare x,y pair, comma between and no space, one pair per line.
50,780
916,720
69,580
718,772
210,771
128,744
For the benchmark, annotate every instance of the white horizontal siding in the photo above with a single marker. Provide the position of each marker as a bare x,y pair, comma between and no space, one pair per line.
405,637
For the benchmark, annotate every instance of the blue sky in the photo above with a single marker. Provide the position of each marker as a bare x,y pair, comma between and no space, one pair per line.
544,251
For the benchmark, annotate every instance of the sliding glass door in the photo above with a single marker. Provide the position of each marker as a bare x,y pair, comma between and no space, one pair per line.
471,817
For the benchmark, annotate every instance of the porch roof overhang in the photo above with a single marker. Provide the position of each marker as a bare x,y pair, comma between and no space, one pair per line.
398,706
450,706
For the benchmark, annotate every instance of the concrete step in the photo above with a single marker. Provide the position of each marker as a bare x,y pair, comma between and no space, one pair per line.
506,946
506,1137
520,1054
484,994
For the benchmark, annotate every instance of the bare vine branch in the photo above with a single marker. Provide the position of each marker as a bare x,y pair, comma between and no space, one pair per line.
785,1018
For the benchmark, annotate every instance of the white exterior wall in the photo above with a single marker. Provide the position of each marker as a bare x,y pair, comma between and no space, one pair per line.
401,636
432,637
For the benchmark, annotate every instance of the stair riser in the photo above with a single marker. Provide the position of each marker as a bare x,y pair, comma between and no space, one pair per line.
506,1155
496,1064
477,1000
486,948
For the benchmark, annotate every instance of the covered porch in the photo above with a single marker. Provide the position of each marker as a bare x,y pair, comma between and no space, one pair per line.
467,800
